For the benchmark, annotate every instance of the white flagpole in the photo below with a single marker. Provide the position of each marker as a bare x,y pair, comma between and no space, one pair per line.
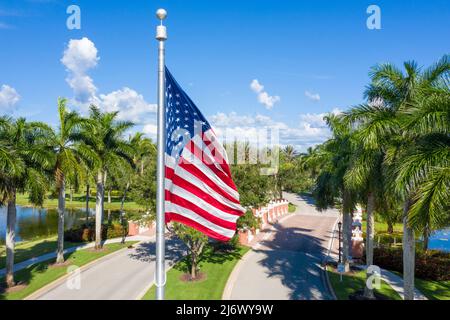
160,272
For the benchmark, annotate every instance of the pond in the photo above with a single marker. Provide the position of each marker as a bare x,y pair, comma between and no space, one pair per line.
440,240
37,222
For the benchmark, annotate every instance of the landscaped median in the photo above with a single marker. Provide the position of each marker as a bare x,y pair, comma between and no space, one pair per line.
41,274
354,282
215,268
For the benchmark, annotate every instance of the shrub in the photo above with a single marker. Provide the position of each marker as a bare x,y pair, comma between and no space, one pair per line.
430,265
86,232
248,221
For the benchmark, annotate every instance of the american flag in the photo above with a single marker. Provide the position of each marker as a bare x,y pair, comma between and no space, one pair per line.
199,190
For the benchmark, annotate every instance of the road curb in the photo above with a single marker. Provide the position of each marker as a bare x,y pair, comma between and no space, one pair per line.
325,263
48,287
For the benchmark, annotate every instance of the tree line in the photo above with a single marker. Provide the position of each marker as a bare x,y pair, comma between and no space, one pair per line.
391,155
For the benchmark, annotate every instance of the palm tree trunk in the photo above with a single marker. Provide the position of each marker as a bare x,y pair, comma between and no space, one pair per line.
408,254
390,227
10,239
426,238
71,193
87,203
61,207
346,240
142,167
99,210
368,292
109,195
346,230
122,213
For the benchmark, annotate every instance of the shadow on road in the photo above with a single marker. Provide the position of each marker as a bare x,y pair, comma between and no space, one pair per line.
294,256
146,251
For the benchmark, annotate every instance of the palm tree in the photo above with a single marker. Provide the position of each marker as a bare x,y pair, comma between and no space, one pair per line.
104,137
24,162
398,95
330,189
366,177
68,162
290,153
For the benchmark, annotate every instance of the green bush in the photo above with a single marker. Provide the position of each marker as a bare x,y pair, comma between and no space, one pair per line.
248,221
431,265
86,232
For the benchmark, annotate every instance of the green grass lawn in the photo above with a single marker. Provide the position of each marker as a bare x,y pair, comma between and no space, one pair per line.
79,201
356,281
39,275
434,290
217,267
292,207
30,249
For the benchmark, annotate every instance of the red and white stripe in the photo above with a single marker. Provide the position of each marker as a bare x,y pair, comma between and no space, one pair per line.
199,190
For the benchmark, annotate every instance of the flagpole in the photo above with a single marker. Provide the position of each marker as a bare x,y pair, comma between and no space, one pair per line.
160,273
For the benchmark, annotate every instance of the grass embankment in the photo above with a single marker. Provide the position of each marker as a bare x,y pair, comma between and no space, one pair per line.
292,207
434,290
41,274
355,281
383,236
31,249
216,267
79,202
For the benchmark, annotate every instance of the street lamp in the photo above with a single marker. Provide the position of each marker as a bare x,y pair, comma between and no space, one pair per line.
340,248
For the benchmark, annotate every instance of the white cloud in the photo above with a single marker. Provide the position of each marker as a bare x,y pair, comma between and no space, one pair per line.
263,97
312,96
130,104
310,130
79,57
8,98
150,129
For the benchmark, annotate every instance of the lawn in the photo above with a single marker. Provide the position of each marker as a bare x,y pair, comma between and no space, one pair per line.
354,281
434,290
217,267
383,236
292,207
30,249
41,274
79,201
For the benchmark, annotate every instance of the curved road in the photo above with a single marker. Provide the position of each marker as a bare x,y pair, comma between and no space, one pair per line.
287,265
121,276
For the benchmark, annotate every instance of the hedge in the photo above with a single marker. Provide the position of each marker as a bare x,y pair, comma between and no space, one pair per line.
430,265
86,232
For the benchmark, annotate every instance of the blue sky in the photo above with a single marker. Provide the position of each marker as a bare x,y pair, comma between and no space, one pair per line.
311,57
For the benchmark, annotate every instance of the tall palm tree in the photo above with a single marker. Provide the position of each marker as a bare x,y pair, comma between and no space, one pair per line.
330,189
143,149
68,162
24,163
104,137
366,177
398,94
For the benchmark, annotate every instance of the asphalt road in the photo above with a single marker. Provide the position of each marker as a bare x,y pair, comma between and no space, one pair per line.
287,264
121,276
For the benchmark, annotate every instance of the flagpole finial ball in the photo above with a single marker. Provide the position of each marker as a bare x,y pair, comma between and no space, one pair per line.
161,14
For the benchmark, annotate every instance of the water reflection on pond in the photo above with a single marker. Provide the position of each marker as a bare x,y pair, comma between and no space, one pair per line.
37,222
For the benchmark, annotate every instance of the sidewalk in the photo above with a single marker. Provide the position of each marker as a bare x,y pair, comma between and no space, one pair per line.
395,281
52,255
